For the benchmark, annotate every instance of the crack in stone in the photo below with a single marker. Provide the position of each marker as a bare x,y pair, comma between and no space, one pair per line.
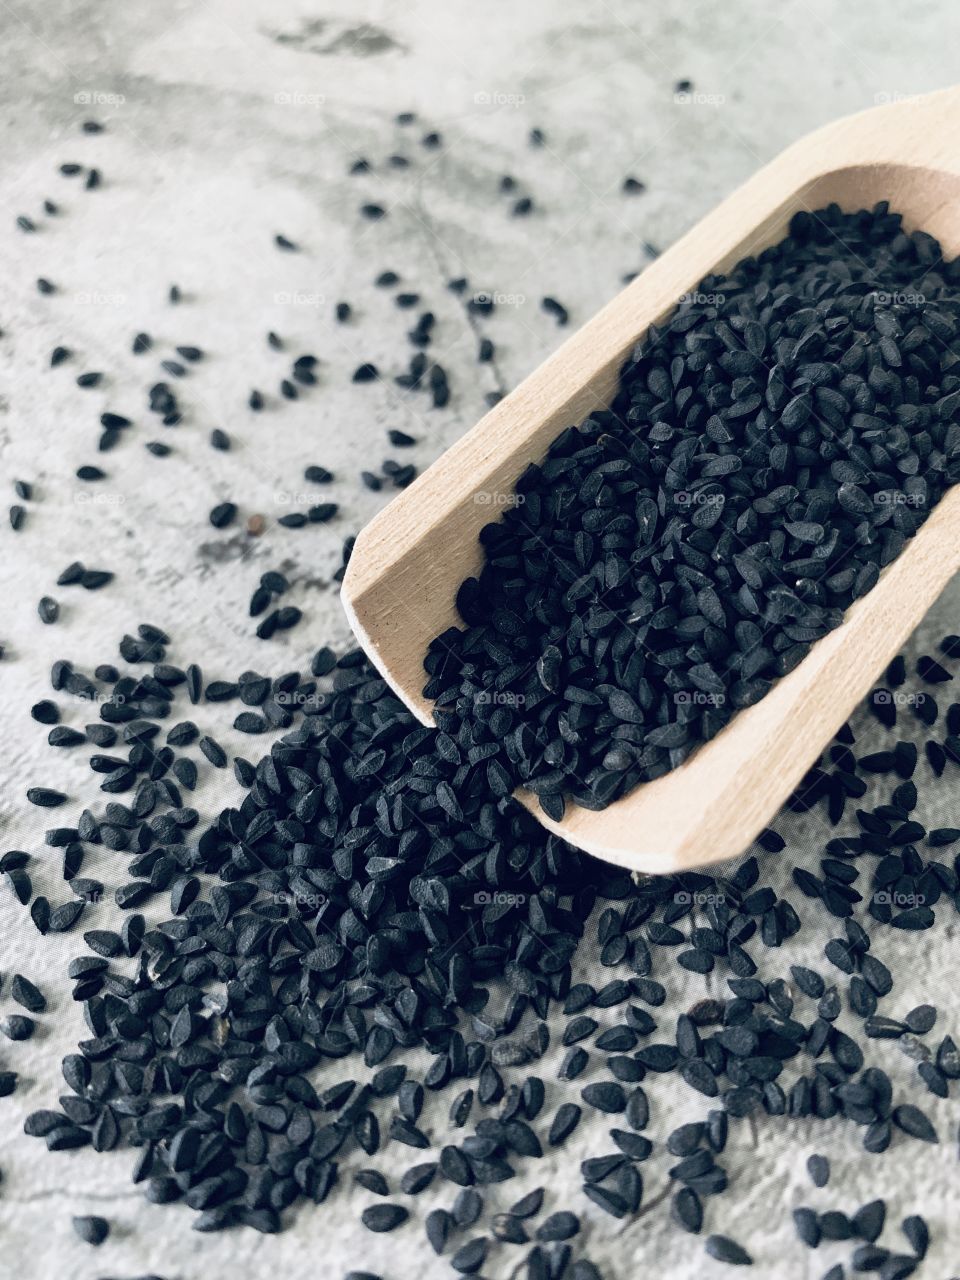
472,323
52,1193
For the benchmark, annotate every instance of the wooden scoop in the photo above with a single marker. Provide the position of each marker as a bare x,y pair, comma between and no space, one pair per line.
408,562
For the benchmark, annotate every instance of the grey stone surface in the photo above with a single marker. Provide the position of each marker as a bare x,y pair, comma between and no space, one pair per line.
229,122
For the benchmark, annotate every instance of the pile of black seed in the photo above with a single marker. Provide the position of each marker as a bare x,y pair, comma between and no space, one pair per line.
376,890
770,449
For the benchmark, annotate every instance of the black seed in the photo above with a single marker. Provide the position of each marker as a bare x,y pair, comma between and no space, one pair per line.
418,1178
913,1122
469,1258
686,1210
868,1220
223,514
726,1250
467,1207
26,994
917,1233
383,1217
609,1201
921,1019
563,1124
808,1227
438,1224
45,797
558,1226
92,1230
606,1096
508,1228
17,1026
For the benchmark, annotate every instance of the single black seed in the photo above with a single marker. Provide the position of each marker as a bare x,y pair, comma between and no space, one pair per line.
606,1096
553,308
918,1234
91,1229
726,1250
223,514
914,1123
383,1217
469,1258
45,797
687,1210
563,1124
26,994
562,1225
808,1227
17,1026
48,609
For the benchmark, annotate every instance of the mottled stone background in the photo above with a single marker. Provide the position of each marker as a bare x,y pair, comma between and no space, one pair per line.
226,123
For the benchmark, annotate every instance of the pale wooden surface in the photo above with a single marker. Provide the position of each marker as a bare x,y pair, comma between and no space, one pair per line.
409,561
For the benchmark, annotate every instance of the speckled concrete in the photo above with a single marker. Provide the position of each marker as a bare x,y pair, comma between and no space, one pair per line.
229,121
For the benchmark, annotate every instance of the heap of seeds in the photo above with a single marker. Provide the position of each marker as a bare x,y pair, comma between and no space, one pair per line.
374,889
770,449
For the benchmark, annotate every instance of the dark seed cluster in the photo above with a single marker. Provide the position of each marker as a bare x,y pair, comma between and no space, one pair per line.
370,895
254,987
770,449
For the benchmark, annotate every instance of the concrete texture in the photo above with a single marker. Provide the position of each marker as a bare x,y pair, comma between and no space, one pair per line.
229,122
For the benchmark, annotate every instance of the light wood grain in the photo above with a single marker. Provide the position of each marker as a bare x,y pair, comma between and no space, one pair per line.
407,564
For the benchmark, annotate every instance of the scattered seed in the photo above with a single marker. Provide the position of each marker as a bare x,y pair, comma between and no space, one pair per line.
91,1229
